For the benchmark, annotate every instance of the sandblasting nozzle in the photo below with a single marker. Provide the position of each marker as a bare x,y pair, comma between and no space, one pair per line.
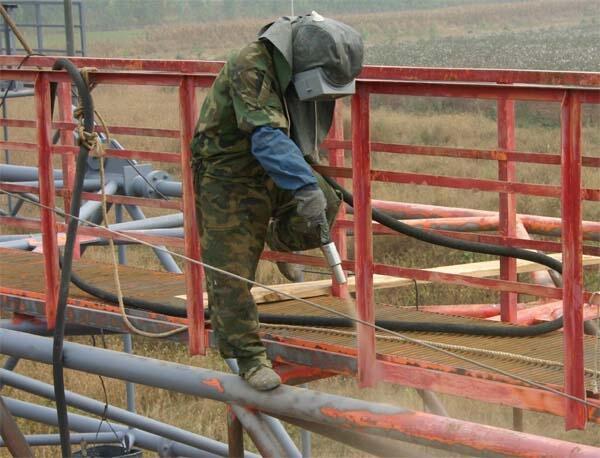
335,262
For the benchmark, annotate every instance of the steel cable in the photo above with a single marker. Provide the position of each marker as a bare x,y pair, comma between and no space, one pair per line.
310,303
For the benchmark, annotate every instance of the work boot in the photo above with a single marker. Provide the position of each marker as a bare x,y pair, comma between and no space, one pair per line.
262,378
293,272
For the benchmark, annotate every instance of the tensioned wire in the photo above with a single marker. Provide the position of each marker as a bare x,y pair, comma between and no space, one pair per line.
312,304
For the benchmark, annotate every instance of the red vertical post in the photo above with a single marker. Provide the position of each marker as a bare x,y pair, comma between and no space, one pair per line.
68,160
46,179
572,241
363,235
66,138
336,159
193,271
508,204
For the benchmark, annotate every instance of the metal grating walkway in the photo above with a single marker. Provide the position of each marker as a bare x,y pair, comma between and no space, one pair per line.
21,273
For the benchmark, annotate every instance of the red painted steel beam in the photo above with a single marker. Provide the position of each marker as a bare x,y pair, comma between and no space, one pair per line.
550,311
460,223
66,138
465,280
34,225
336,159
46,179
19,146
508,204
471,310
499,76
125,130
462,90
295,374
341,360
465,153
174,204
421,179
155,65
142,78
363,240
509,394
534,223
193,272
119,130
160,156
542,245
117,199
571,197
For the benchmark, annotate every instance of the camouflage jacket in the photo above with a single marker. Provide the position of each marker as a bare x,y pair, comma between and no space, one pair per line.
244,96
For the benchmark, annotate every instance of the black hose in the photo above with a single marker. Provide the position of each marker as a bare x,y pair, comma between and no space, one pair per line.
67,261
381,217
464,245
449,242
336,322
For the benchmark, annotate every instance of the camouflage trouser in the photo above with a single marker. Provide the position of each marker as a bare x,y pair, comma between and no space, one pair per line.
235,220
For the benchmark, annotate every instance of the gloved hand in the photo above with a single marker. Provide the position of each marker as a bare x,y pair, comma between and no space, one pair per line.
311,205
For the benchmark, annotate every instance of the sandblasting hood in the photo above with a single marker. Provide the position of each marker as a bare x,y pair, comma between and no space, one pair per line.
320,48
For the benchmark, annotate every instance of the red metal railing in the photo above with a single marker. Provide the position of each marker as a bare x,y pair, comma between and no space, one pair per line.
570,89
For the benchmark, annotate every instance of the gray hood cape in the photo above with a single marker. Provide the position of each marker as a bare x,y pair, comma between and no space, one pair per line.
302,43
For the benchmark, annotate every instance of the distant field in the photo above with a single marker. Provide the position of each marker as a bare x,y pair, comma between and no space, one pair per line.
548,34
541,34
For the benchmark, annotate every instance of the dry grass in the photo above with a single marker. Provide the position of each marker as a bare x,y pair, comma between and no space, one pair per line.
393,121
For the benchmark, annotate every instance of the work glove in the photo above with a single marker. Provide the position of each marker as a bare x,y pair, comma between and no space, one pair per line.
311,205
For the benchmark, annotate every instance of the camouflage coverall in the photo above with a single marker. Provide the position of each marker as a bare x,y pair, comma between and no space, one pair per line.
239,207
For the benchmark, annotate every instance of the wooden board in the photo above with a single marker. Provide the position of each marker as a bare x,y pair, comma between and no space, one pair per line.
323,287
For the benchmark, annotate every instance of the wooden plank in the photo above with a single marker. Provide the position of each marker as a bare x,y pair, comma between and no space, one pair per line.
323,287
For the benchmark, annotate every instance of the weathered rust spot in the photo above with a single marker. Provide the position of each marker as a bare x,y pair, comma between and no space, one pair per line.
214,383
362,418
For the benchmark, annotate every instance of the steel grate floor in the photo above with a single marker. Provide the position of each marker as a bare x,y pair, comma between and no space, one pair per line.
24,272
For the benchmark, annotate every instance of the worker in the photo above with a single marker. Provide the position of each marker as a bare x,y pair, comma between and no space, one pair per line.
265,112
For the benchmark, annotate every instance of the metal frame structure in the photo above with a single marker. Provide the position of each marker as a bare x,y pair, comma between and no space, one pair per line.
303,360
38,24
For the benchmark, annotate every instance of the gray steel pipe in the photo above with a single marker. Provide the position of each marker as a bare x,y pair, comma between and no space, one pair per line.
41,328
36,440
432,402
22,244
10,364
9,172
317,407
157,222
134,420
165,258
373,445
169,188
91,210
89,184
170,232
11,237
259,432
82,423
273,424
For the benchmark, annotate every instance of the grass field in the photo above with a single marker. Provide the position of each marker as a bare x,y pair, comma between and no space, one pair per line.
550,34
